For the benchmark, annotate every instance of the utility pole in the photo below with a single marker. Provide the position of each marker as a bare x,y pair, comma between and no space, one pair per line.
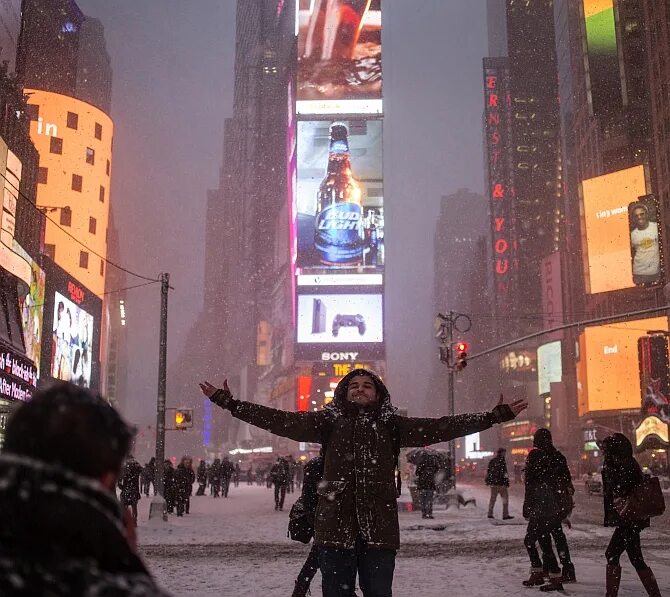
445,326
158,507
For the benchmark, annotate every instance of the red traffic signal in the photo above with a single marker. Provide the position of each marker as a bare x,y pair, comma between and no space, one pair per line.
461,347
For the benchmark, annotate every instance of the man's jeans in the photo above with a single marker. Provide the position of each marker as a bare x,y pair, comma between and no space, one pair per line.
426,501
374,566
502,491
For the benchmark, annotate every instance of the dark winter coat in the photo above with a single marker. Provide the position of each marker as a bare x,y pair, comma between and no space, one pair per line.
62,535
496,473
357,497
426,472
168,482
279,473
313,473
548,481
227,469
129,482
202,473
215,472
184,477
621,475
150,470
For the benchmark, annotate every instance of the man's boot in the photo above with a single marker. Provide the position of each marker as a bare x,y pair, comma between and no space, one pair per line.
649,582
536,578
569,573
555,583
612,580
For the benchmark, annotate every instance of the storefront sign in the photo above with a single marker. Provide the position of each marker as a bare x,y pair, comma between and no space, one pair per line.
18,376
651,433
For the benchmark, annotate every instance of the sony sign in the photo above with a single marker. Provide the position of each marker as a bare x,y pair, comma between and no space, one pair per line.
339,356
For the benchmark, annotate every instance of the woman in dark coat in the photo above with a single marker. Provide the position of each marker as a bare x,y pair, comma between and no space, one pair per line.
168,485
621,475
129,483
184,477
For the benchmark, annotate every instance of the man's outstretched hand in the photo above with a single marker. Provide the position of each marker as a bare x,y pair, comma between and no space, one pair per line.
506,412
220,397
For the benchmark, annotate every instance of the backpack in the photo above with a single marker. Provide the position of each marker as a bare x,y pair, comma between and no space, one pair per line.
302,514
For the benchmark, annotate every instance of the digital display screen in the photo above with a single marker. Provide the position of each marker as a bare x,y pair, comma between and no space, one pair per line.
340,197
72,342
608,375
340,57
32,315
612,243
340,319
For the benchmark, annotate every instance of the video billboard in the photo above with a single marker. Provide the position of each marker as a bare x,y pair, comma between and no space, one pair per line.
340,319
340,57
601,41
72,335
340,197
621,241
608,376
32,315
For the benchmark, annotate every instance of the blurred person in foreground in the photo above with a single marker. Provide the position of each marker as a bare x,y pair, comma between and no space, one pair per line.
621,475
356,521
64,532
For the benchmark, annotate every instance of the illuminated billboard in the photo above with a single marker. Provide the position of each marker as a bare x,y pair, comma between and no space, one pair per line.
603,59
340,57
617,235
340,319
340,197
608,376
72,335
32,310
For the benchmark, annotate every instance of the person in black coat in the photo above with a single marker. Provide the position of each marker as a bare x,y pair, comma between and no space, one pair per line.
215,478
149,476
548,500
426,472
201,477
168,486
279,478
227,472
621,475
497,479
129,483
184,477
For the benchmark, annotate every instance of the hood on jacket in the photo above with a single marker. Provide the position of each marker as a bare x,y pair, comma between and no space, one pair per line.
340,404
617,445
543,440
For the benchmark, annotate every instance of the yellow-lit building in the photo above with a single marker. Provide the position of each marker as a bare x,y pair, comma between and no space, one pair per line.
74,140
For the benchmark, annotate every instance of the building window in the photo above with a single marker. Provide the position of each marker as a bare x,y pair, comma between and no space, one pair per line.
77,182
92,225
83,259
66,216
50,251
33,111
98,131
42,175
72,120
56,145
90,156
109,167
102,267
101,196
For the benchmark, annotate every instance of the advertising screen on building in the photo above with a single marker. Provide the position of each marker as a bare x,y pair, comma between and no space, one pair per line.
72,340
32,312
549,366
601,40
340,197
618,237
608,376
340,57
340,319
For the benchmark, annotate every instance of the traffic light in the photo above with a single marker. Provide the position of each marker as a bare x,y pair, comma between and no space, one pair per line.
461,350
183,418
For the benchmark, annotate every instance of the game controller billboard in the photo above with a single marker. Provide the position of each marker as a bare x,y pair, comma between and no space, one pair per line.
340,319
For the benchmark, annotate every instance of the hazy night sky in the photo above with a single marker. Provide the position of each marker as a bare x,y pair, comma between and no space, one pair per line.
173,83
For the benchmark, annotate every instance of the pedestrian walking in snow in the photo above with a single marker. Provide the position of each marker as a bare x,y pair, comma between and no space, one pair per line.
356,525
548,501
227,471
427,471
201,477
299,474
168,486
149,476
621,476
290,461
279,478
215,478
497,479
63,532
237,473
250,476
129,484
184,477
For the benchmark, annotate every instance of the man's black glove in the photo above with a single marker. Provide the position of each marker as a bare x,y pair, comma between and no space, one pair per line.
501,413
221,398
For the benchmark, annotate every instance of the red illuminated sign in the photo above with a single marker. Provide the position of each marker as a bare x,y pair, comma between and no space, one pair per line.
304,393
77,295
498,117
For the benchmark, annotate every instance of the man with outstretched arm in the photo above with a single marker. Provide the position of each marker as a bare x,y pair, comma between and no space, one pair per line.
356,522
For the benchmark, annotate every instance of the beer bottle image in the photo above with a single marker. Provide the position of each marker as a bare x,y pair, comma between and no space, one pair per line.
338,226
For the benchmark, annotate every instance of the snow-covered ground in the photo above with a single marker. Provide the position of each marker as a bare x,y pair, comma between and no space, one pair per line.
238,546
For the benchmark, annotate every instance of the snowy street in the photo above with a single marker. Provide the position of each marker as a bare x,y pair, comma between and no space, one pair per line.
238,546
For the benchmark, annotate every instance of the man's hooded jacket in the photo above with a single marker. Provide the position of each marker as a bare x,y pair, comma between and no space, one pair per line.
357,497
